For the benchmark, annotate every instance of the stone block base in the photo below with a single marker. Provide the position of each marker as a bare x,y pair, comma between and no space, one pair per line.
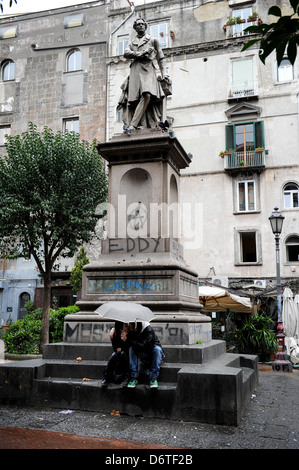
87,330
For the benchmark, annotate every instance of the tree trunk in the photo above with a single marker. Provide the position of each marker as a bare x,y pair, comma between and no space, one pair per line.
44,338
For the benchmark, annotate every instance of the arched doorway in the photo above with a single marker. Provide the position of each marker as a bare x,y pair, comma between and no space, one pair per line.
24,297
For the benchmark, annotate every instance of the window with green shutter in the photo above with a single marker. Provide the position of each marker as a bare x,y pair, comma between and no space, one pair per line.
244,136
245,142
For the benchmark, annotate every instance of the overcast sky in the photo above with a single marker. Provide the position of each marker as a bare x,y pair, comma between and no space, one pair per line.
28,6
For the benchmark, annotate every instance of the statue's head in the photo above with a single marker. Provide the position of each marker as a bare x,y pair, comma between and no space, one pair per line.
138,21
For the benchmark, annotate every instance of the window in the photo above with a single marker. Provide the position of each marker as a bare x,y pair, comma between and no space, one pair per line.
8,70
291,195
243,14
4,130
8,32
159,31
122,42
285,71
242,81
246,196
292,247
71,125
74,60
248,246
73,21
243,139
248,252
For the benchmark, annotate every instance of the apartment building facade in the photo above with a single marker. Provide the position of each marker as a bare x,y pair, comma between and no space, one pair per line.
53,73
225,99
64,69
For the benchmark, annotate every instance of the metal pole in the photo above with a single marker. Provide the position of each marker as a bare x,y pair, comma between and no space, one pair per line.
278,282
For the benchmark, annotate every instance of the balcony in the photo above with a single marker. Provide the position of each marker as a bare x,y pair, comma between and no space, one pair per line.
244,161
247,89
236,27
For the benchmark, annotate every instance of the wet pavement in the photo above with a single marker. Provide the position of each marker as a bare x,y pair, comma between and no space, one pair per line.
271,421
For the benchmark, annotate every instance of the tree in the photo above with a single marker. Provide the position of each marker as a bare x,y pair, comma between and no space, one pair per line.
281,36
10,4
50,186
76,273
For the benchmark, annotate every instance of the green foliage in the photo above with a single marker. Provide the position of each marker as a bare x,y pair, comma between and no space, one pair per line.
29,306
76,273
50,186
10,4
281,36
23,337
257,335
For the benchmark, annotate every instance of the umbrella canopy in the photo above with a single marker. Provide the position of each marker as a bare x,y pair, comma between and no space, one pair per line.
216,299
125,312
296,301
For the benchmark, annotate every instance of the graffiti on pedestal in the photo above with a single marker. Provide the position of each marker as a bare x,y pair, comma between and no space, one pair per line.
131,285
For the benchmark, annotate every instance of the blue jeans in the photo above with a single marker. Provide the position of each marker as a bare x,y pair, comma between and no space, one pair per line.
154,359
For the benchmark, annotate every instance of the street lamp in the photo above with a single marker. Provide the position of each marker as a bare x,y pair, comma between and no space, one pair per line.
281,362
276,221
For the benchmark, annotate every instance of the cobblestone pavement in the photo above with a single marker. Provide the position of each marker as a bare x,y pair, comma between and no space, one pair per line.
271,421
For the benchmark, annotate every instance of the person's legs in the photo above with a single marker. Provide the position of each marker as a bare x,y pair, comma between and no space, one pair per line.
109,369
133,359
157,357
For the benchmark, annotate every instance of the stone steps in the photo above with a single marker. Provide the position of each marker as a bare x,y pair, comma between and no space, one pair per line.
94,369
76,394
199,382
195,353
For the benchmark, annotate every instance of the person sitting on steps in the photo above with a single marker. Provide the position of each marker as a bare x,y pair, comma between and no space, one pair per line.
117,369
144,347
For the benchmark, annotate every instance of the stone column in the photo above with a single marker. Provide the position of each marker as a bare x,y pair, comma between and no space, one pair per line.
142,259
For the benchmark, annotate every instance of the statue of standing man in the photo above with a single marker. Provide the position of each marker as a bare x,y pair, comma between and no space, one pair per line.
143,93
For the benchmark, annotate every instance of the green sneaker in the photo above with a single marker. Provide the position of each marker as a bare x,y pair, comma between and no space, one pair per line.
132,383
153,383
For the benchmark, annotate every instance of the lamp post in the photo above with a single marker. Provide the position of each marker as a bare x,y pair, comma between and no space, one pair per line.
276,221
281,362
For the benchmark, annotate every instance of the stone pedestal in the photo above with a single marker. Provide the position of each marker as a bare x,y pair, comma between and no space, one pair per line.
142,259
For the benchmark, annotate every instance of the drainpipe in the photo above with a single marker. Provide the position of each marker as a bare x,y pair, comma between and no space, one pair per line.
109,53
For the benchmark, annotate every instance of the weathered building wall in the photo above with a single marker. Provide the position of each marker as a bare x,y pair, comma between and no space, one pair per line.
43,90
200,60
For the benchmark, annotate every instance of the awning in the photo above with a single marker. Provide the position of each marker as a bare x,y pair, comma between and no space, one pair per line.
217,299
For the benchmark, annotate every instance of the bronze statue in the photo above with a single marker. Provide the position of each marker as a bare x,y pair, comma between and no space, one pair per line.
143,93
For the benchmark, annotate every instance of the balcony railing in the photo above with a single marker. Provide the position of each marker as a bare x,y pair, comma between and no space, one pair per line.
253,159
238,29
242,90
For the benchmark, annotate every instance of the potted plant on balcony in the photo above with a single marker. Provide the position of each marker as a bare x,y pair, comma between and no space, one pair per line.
239,20
230,22
172,35
253,17
224,152
259,149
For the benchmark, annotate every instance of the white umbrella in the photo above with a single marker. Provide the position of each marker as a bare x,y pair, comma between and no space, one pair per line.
125,312
288,313
216,299
296,302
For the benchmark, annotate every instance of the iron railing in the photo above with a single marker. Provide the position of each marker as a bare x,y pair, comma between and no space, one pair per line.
249,159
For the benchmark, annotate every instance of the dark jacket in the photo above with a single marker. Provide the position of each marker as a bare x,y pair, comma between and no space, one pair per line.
145,340
116,341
